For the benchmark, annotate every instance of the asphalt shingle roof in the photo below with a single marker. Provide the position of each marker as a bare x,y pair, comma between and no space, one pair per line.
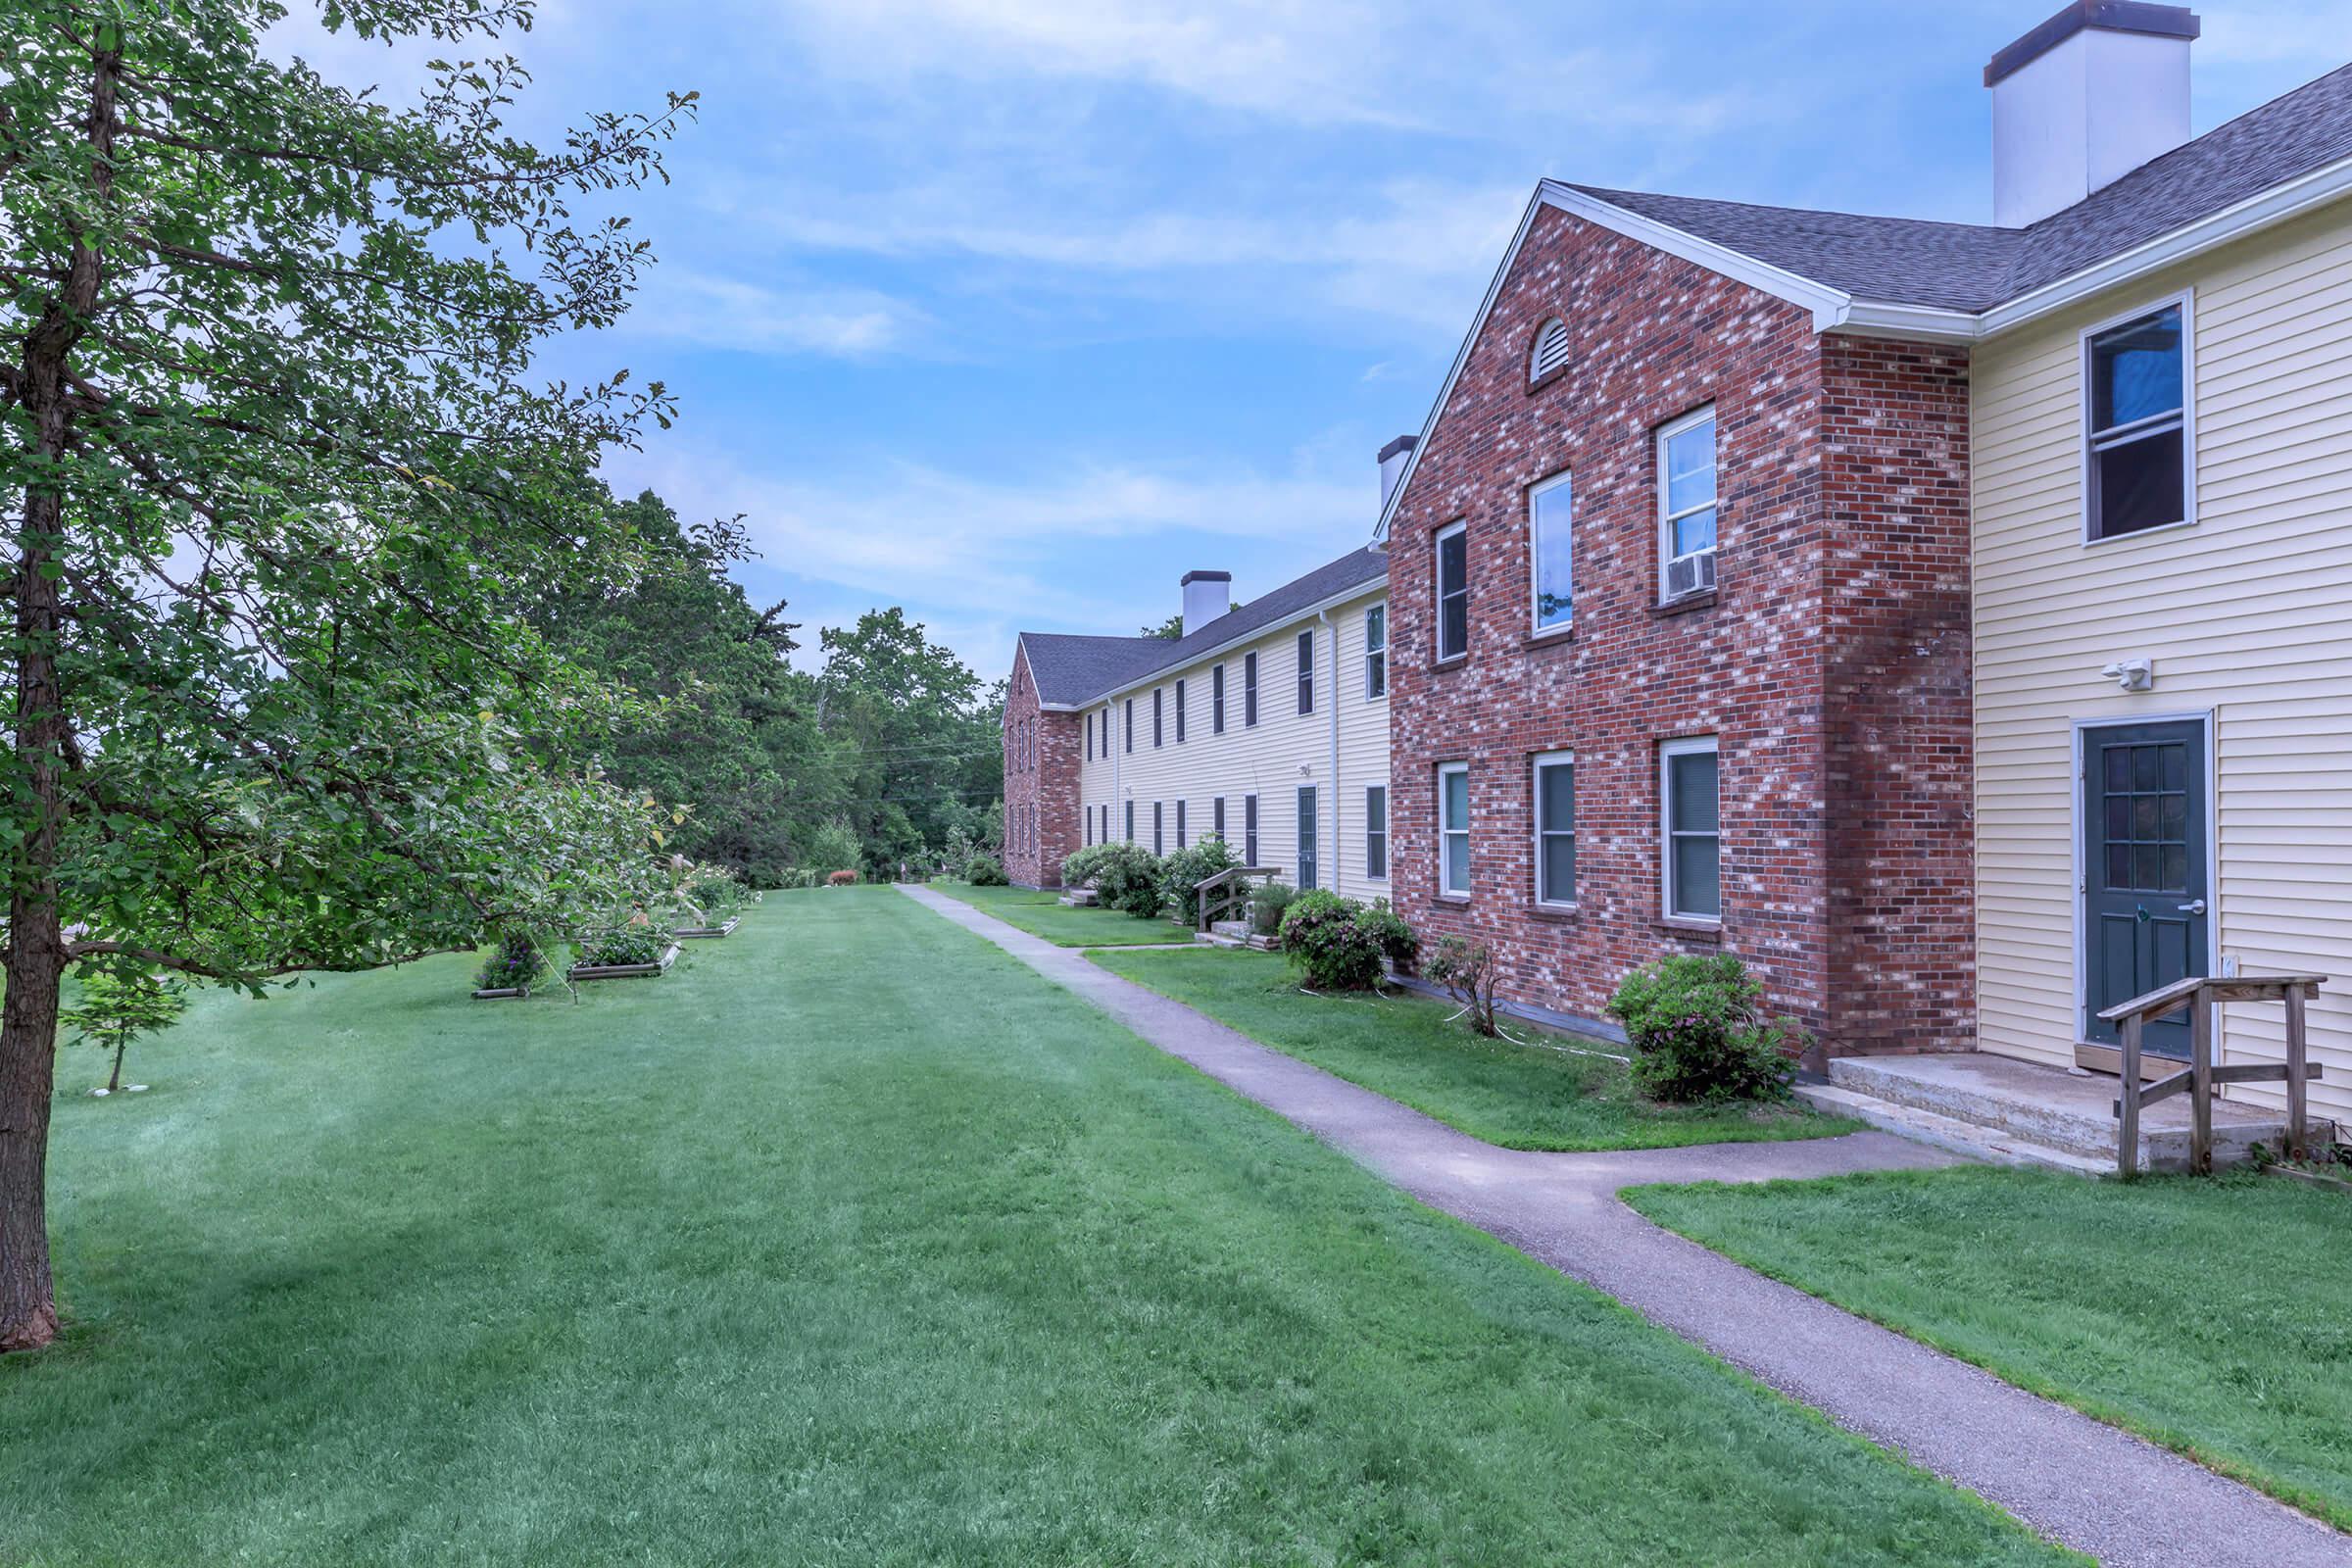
1973,267
1070,670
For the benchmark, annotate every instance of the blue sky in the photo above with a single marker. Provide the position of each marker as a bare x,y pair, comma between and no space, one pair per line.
1011,311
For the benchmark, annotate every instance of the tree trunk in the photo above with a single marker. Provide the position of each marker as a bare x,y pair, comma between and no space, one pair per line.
114,1082
36,956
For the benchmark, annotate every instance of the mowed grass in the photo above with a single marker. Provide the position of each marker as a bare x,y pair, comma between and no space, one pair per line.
2210,1317
849,1241
1043,914
1408,1048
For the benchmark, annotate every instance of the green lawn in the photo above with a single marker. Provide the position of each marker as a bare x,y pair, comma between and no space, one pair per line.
1403,1045
2211,1317
1042,914
849,1241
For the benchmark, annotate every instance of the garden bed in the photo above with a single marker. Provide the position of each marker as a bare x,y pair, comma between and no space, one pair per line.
695,932
502,993
624,971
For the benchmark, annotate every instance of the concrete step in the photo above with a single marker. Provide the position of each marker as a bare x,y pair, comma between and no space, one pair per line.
1962,1138
1217,939
1236,929
2019,1105
1079,899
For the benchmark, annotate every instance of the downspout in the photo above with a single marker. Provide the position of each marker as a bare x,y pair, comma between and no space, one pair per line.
1332,636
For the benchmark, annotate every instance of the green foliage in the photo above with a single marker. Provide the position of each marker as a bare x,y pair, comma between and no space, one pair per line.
1168,630
517,962
622,942
1267,902
1124,876
1390,933
1468,972
1323,935
982,871
119,1005
833,847
715,891
1700,1032
1187,868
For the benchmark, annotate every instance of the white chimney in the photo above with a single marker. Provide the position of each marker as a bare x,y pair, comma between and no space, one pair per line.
2084,99
1392,459
1206,596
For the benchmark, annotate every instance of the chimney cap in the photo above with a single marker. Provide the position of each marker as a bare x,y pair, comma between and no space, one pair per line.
1191,578
1403,443
2110,16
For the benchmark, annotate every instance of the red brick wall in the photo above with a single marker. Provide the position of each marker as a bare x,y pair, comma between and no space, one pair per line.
1042,751
1656,337
1895,585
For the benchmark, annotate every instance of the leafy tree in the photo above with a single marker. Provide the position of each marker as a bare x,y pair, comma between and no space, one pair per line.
910,735
279,478
119,1005
1171,628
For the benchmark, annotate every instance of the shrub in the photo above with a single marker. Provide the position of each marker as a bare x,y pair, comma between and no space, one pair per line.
635,940
1124,876
1467,970
834,847
1323,936
1700,1032
842,879
715,891
1266,906
517,962
1390,933
1078,871
1184,870
981,871
119,1004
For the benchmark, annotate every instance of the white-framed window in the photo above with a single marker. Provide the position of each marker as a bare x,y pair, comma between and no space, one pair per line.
1216,817
2138,430
1691,834
1159,843
1130,821
1216,700
1453,829
1159,710
1309,857
1450,548
1376,652
1549,352
1248,690
1376,832
1552,553
1180,712
1555,829
1130,731
1249,830
1306,673
1180,825
1687,505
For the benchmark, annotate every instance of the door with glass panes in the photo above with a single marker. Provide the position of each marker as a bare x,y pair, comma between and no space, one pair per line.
2146,880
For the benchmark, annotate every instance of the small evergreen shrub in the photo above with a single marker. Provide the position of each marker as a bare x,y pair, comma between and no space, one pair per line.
1266,906
1323,935
982,871
517,962
1700,1034
1390,933
1184,871
1468,972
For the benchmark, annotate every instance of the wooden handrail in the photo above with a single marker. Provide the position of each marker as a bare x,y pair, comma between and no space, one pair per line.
1221,885
2201,994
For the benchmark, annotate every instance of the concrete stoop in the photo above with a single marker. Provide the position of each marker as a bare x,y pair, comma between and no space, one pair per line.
2019,1113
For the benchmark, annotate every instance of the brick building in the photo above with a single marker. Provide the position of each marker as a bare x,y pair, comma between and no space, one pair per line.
1679,609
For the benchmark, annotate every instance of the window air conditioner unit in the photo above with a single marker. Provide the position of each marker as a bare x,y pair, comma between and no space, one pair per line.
1690,575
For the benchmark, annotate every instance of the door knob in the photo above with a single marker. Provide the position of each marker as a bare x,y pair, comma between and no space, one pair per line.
2197,908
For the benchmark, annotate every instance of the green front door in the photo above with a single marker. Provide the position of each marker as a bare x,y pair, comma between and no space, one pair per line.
2146,877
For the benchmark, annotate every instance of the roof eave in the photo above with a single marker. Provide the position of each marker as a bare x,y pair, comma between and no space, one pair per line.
1159,672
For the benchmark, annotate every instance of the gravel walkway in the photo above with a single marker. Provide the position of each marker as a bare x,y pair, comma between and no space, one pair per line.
2077,1481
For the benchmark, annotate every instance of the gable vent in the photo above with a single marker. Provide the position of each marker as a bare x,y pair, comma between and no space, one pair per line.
1550,351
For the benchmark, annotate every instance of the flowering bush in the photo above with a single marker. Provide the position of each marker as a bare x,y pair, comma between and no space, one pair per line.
1699,1032
716,891
638,941
517,962
842,879
1323,936
1390,933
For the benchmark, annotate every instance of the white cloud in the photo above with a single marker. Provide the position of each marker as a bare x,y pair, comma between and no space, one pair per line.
726,313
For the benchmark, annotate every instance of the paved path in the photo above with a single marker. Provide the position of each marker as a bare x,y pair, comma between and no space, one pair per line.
2075,1480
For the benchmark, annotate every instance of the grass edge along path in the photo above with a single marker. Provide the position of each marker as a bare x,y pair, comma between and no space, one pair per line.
1399,1045
1042,914
852,1239
1995,1267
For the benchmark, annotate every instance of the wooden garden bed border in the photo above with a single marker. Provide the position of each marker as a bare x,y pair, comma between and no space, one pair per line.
624,971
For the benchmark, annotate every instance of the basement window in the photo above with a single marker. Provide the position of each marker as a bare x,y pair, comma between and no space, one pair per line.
2137,426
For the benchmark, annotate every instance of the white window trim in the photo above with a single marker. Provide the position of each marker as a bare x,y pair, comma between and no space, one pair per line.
1447,771
1534,778
1668,518
1379,652
2186,301
1535,556
1437,584
1381,875
1693,746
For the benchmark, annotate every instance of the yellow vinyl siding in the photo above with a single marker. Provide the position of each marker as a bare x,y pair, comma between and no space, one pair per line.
2247,614
1283,752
